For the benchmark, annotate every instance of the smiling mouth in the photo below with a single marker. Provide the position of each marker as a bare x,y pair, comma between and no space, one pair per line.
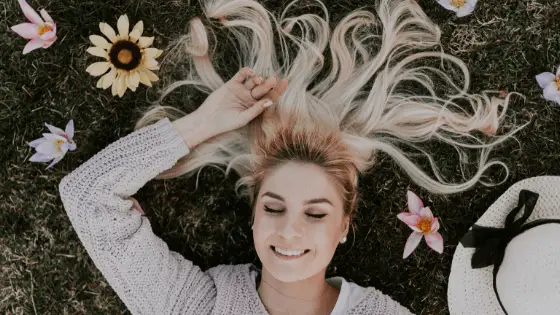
289,254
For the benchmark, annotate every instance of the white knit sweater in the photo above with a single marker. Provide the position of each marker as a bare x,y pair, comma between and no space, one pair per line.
148,277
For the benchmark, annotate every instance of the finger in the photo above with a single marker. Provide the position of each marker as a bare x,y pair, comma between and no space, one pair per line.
261,90
242,74
277,91
253,81
255,110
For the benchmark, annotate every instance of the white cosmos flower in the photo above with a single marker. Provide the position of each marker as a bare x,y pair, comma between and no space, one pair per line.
129,57
53,146
550,84
462,7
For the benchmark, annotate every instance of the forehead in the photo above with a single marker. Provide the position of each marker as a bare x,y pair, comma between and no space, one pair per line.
298,182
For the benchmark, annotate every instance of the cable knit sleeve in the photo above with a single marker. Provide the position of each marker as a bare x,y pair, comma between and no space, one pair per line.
148,277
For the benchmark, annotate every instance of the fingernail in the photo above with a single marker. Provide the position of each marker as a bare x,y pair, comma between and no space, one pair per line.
267,104
259,80
250,71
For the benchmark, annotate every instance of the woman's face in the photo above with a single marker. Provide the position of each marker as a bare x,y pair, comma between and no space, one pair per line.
299,221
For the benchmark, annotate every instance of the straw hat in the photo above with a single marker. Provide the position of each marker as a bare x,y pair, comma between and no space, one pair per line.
509,261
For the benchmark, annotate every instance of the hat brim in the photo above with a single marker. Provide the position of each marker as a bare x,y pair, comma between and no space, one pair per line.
470,291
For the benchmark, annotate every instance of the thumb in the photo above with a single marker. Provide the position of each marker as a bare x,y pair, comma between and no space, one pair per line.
255,110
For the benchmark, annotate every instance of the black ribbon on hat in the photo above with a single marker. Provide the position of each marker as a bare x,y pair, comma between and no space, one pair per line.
490,243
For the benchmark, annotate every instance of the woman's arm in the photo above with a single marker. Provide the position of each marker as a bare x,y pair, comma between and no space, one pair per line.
148,277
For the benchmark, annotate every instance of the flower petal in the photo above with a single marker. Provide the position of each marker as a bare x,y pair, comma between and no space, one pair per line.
109,78
133,80
56,160
545,78
134,35
410,219
551,91
40,157
152,52
48,43
435,225
35,143
447,4
139,27
426,213
29,13
465,10
32,45
414,202
114,86
97,51
108,31
98,68
48,148
121,85
151,75
99,83
99,41
149,63
144,42
54,130
53,137
144,79
435,241
26,30
46,16
48,36
122,26
411,243
69,129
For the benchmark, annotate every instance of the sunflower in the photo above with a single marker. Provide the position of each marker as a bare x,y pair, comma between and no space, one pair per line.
129,57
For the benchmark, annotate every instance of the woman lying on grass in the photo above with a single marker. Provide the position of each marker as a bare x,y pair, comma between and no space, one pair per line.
298,145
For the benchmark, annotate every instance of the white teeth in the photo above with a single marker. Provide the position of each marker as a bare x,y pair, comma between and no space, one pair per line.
289,252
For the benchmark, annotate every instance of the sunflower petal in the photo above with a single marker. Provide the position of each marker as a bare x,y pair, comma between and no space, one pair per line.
151,76
121,85
114,87
133,81
144,42
152,52
99,41
108,31
144,79
150,63
100,82
134,35
139,27
99,52
98,68
123,25
109,78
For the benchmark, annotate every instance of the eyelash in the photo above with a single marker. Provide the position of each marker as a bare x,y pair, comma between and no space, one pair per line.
276,212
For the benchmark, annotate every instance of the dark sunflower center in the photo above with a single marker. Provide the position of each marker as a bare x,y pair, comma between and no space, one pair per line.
125,55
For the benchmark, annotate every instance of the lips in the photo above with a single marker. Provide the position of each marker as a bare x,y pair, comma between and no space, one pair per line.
288,254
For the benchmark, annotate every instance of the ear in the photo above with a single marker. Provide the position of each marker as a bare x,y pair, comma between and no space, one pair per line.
346,225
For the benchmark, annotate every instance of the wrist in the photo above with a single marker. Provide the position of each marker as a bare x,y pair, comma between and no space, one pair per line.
194,129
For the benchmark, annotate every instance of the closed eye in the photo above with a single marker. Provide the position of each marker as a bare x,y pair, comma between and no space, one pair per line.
317,216
273,211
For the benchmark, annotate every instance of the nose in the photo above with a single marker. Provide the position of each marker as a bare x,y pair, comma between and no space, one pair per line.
289,228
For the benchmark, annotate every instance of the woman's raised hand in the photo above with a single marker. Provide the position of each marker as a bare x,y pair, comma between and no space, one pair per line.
245,96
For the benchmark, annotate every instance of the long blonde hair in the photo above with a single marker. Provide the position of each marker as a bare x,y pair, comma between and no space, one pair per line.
376,102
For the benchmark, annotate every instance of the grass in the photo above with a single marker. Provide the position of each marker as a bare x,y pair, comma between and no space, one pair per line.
45,270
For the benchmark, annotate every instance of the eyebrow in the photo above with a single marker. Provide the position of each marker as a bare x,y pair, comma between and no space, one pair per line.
310,201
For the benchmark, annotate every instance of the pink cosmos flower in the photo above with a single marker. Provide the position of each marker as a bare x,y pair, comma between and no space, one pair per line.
423,223
41,31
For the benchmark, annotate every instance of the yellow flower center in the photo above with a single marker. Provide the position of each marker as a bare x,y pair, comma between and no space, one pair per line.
58,144
44,29
125,56
558,82
458,3
425,225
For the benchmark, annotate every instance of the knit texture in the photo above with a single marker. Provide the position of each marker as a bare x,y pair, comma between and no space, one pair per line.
148,277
